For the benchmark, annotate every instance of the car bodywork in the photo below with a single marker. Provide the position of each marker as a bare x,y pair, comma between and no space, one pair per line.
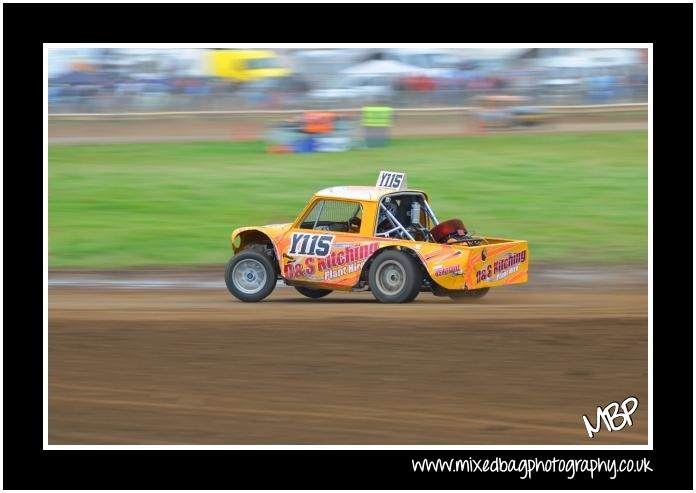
338,260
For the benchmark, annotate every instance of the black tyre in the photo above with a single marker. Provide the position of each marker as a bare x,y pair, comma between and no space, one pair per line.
250,276
312,292
469,295
395,277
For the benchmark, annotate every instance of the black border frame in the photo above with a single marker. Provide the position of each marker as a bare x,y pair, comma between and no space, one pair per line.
27,26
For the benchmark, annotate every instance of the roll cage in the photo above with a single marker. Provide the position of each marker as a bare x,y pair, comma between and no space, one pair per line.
397,228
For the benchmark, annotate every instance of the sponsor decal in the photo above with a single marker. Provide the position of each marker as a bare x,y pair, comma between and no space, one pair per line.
501,268
310,245
455,270
336,263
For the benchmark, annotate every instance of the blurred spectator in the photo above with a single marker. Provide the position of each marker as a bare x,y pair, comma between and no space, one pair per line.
377,122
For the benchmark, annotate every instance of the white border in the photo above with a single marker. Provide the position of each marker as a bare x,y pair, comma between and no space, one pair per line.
2,256
53,46
350,1
45,247
649,446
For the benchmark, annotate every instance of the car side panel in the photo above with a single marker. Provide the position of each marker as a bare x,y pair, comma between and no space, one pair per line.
336,267
340,266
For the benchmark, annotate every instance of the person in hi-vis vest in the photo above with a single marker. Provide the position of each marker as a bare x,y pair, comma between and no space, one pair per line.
376,122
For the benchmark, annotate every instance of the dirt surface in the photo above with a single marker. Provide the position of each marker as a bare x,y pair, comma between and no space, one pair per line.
135,365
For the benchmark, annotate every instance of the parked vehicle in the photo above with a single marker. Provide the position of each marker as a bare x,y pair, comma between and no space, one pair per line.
501,111
246,65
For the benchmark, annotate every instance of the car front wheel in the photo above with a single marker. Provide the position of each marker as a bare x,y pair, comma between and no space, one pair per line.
250,276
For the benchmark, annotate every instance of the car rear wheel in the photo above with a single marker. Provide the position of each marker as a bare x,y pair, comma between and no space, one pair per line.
395,277
250,276
312,292
468,295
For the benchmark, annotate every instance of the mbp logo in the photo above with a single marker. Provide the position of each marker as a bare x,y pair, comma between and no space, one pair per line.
310,245
609,414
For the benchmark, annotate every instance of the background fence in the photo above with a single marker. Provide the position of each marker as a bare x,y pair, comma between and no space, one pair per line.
256,124
269,100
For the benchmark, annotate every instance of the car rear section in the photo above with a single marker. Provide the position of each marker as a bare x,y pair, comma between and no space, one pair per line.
496,262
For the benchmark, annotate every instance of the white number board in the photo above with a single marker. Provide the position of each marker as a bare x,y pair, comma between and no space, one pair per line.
391,179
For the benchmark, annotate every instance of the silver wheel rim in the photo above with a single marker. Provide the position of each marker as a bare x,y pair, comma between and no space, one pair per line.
391,277
249,276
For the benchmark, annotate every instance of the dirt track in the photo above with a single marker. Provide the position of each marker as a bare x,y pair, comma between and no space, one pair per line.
194,366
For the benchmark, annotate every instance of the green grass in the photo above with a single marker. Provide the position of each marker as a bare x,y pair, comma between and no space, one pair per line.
577,198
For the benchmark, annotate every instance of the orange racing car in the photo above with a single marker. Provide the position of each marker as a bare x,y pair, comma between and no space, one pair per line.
384,239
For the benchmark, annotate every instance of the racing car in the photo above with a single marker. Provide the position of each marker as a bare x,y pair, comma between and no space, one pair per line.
384,239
